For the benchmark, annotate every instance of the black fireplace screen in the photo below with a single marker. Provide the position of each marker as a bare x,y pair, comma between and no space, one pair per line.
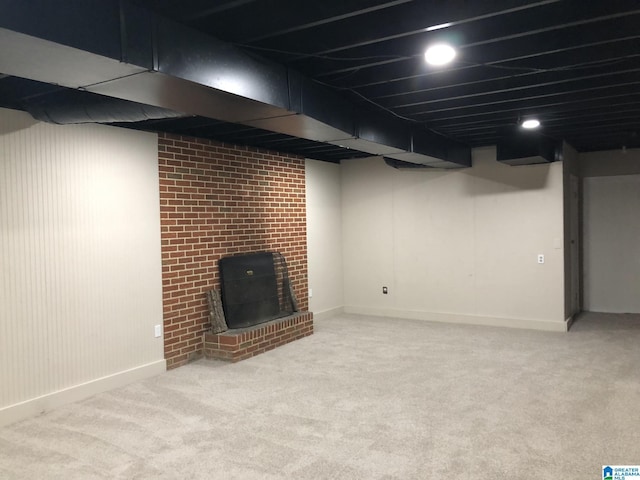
255,289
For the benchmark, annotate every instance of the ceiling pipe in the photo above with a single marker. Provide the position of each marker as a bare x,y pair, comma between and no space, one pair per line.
117,49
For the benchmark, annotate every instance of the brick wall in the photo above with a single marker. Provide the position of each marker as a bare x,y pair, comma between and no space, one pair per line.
217,200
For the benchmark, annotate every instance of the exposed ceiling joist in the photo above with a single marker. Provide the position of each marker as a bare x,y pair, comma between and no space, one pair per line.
572,63
174,68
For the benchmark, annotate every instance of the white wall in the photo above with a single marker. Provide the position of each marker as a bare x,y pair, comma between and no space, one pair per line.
610,211
324,237
455,246
80,264
612,244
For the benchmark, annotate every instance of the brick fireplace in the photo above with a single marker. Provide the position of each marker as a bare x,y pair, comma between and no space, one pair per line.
240,344
218,200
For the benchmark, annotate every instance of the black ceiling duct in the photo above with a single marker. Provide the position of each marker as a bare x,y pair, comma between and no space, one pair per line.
432,150
401,165
120,50
74,106
527,148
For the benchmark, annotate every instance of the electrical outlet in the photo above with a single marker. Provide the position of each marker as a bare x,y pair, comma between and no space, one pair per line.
157,330
385,290
540,258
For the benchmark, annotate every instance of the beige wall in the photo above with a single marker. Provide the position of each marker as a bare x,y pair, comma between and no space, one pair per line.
612,244
611,232
456,246
80,273
324,237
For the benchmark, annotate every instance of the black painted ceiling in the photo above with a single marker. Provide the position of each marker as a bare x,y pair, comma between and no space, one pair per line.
575,64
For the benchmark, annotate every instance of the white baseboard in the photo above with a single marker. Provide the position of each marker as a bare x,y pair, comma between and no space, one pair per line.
546,325
44,403
331,312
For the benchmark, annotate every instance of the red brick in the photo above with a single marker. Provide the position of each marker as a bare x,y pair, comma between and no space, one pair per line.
255,188
255,341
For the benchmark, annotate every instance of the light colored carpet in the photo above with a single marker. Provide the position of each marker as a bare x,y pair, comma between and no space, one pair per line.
363,398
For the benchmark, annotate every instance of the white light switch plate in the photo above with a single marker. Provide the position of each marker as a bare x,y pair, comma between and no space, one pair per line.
157,331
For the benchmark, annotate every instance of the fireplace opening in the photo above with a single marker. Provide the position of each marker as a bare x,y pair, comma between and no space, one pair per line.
255,288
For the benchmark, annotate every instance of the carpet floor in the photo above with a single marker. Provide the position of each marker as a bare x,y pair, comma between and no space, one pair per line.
362,398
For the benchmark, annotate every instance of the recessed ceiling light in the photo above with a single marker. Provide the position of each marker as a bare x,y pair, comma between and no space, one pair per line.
531,124
439,54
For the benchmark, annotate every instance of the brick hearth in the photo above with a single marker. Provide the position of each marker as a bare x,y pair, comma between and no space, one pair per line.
243,343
